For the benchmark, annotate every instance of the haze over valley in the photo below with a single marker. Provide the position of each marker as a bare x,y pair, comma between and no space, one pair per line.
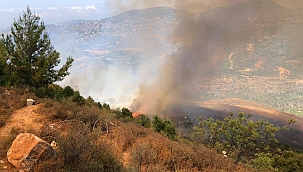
249,51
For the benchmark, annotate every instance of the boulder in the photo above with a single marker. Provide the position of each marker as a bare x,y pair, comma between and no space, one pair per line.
27,150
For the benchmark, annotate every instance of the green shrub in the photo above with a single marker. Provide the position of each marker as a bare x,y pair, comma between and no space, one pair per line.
288,161
106,106
238,135
143,120
124,114
165,127
67,92
90,101
54,91
80,100
263,161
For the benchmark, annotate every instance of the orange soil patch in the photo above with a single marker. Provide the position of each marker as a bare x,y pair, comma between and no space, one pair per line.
24,119
283,72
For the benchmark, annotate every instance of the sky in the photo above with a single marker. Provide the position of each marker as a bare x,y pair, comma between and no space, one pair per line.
39,3
53,11
56,11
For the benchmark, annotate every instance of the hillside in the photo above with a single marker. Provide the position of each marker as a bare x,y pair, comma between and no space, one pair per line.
257,49
26,119
259,36
221,108
293,137
155,89
124,141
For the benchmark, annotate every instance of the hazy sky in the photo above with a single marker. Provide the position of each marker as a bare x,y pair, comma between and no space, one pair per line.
44,3
55,11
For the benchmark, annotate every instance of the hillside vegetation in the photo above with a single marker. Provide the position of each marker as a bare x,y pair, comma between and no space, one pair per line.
91,136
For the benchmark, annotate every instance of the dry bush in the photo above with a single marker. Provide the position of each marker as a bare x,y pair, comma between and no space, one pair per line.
66,109
78,150
150,153
49,134
16,98
5,144
198,158
127,134
49,166
91,115
155,152
5,113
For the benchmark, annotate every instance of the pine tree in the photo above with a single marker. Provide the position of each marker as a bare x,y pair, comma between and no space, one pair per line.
3,64
31,57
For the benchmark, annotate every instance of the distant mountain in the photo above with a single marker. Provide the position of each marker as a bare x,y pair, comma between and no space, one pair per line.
259,56
119,38
261,38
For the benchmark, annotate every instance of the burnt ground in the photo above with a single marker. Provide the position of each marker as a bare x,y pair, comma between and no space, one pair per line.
219,109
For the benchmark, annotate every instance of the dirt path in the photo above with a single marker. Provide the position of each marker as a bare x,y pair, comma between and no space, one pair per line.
25,119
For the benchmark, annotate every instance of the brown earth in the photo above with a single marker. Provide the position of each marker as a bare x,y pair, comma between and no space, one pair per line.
22,120
25,120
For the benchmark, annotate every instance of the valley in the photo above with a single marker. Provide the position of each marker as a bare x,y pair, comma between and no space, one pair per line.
257,56
282,94
254,53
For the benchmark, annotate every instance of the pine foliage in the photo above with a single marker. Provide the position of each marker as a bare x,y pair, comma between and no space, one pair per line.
31,58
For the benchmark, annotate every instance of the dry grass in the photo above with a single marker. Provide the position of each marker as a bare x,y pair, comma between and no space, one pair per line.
10,100
109,139
59,110
140,149
150,153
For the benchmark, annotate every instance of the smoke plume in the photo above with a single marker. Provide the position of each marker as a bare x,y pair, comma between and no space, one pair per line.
159,84
200,58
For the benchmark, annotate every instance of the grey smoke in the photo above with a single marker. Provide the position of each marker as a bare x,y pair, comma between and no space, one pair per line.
206,50
161,82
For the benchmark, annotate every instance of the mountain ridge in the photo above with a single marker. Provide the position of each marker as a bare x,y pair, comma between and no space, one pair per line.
257,42
260,46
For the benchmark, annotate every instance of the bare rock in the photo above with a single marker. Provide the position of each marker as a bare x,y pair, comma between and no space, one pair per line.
27,150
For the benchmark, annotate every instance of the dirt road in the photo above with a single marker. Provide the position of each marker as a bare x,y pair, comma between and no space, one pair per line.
25,119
